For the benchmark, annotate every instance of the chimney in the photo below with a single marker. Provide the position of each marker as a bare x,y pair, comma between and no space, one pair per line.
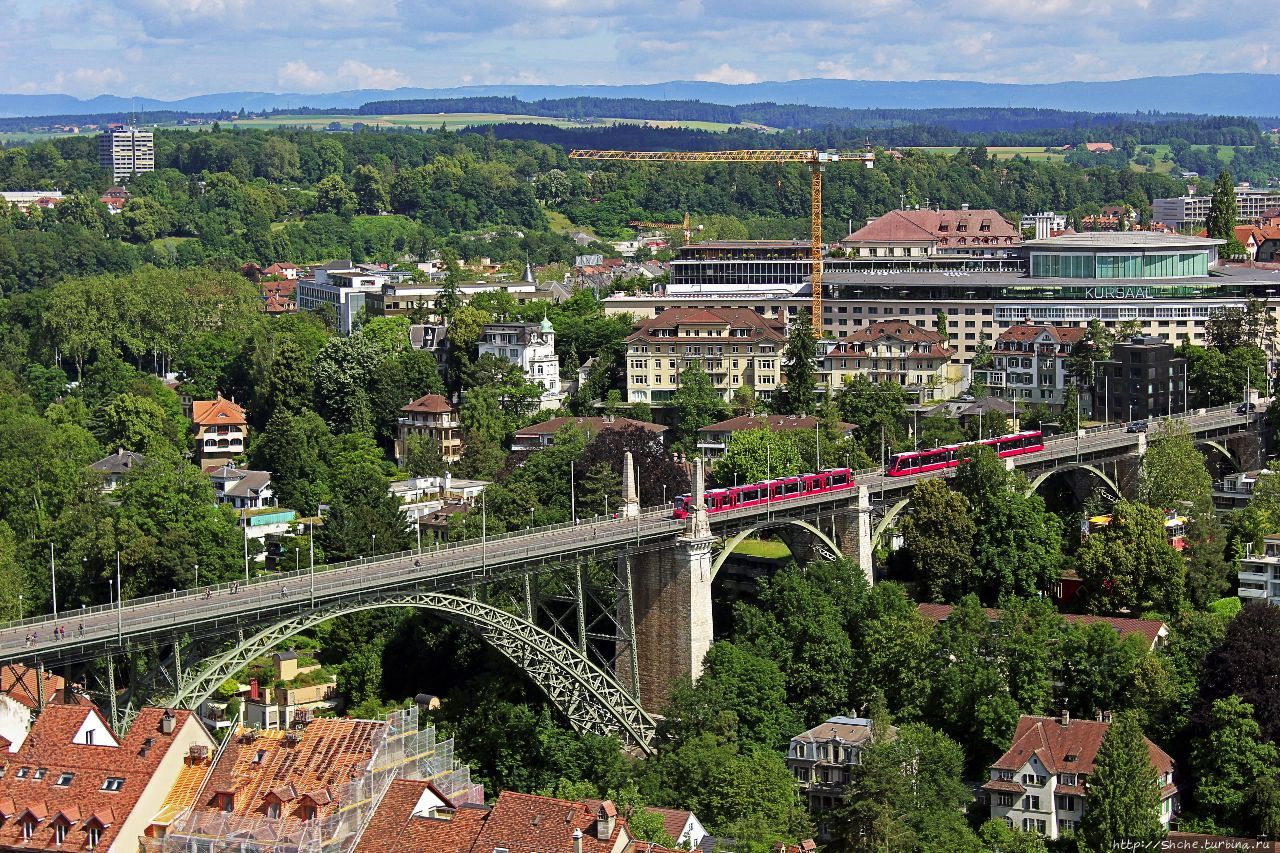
605,819
1106,716
254,695
964,206
1065,719
577,841
167,722
1044,225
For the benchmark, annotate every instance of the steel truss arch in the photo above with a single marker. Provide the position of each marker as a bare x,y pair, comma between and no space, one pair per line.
587,695
1223,451
824,541
889,518
1043,477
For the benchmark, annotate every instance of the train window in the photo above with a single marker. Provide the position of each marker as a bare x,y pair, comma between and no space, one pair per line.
838,479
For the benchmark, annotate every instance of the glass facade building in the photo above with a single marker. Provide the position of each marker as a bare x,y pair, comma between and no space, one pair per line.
1119,266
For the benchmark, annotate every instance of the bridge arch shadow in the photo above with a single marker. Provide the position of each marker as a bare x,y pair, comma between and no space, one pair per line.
1222,450
823,541
1044,476
588,696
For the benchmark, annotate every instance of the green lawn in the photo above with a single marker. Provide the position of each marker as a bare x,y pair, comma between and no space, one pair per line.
1005,152
767,549
1164,167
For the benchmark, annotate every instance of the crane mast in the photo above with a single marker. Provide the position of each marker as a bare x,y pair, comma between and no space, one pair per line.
815,160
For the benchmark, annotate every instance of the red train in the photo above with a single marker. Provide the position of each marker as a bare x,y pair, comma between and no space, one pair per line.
770,491
903,464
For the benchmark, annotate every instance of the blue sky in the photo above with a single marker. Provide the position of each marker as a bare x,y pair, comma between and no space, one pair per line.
174,48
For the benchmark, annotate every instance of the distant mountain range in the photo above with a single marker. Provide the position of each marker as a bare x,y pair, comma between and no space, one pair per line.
1235,94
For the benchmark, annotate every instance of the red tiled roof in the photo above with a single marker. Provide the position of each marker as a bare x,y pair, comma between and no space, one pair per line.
1150,629
1053,743
221,412
49,745
1007,787
19,683
590,425
901,329
432,403
325,756
673,820
918,226
737,318
1031,331
524,823
395,829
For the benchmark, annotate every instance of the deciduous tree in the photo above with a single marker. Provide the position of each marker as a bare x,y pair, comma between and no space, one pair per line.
938,531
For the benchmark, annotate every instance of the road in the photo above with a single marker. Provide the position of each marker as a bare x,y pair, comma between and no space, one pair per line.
450,567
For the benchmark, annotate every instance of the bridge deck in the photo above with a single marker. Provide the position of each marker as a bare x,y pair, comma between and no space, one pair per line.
460,565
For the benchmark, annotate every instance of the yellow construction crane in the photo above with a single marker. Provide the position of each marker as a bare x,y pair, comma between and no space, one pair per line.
816,161
667,226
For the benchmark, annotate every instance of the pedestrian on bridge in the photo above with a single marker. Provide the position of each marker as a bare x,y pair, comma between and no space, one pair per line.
28,639
80,630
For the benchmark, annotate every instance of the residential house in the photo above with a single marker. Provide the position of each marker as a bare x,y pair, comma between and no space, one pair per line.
822,757
73,783
295,695
23,694
968,409
241,487
434,338
1269,248
24,200
927,233
736,346
283,270
532,348
347,287
713,439
114,467
1153,632
310,786
421,497
432,416
1259,573
1029,364
543,434
221,430
279,295
1039,784
683,826
416,816
897,351
1235,490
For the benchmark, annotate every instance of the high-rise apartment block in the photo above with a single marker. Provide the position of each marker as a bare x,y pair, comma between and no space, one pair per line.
125,151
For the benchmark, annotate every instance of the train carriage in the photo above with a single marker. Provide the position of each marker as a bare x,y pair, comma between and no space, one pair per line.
768,491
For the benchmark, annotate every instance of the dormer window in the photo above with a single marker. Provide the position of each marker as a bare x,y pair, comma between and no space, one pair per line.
28,829
23,773
308,812
59,832
40,773
64,779
113,783
95,835
273,809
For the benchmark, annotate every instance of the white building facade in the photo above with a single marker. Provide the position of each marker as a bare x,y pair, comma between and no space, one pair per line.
532,348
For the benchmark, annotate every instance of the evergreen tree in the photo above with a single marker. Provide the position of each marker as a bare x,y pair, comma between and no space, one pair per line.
799,359
1123,801
1221,220
1228,764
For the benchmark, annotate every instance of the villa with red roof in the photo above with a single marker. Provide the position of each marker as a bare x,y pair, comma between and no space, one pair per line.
1039,784
221,430
912,355
434,417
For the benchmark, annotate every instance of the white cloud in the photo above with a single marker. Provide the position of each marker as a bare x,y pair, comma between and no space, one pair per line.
726,73
367,77
87,81
297,75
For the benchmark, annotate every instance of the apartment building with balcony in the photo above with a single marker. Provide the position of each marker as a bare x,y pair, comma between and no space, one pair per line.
735,346
432,416
1039,785
221,430
898,351
1235,490
821,759
1259,573
1029,363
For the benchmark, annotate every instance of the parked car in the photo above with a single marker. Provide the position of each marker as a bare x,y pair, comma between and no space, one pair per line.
1136,426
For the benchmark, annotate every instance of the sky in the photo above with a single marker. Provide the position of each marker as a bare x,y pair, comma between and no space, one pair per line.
176,48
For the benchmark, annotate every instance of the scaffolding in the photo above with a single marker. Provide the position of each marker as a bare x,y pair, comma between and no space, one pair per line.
402,750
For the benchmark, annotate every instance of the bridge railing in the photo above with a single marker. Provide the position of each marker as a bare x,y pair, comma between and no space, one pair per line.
285,579
325,573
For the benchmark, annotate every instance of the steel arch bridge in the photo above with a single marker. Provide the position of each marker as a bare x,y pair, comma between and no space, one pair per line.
826,546
588,696
1097,472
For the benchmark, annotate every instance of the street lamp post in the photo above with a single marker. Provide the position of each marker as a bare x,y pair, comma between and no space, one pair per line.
573,496
373,546
197,576
53,582
483,561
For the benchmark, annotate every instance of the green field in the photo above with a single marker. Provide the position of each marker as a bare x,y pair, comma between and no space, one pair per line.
1164,167
768,549
1005,152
